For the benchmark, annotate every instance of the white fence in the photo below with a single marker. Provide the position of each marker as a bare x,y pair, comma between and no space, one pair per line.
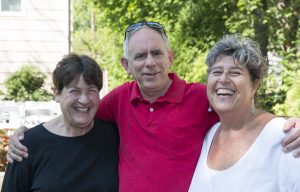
29,113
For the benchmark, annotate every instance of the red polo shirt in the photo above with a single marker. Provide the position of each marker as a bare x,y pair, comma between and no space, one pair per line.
160,142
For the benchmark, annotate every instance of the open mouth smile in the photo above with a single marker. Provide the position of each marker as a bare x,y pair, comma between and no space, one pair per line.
225,92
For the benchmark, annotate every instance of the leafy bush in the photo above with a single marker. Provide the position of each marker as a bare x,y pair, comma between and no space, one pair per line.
26,85
291,105
3,149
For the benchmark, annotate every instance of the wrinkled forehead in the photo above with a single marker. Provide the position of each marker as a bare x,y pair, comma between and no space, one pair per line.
146,38
133,32
222,59
145,33
226,62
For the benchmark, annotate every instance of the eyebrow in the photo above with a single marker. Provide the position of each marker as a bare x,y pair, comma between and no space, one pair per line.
221,67
237,67
157,50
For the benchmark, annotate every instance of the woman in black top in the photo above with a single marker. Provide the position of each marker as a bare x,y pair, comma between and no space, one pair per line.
73,152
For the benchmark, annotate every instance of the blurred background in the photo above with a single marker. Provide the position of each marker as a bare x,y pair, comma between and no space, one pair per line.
36,34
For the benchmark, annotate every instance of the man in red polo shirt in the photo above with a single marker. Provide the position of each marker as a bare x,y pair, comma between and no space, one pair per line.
162,119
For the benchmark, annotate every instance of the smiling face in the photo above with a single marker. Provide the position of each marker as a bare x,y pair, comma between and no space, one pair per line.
148,60
229,86
79,102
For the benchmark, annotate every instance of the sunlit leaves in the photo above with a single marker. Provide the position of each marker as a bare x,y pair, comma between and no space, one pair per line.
26,84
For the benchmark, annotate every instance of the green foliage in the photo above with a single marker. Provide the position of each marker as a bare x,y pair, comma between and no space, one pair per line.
119,14
292,102
25,85
3,149
193,26
200,24
106,46
291,75
189,59
270,97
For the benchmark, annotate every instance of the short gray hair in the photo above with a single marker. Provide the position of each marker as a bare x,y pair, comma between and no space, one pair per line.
246,51
130,33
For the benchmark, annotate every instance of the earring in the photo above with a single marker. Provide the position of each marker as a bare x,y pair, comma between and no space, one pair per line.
209,109
253,107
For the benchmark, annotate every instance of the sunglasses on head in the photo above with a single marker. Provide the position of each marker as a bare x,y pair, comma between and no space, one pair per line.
154,25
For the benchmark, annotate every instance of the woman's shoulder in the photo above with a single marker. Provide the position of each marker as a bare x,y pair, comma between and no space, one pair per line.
275,126
34,134
105,126
104,131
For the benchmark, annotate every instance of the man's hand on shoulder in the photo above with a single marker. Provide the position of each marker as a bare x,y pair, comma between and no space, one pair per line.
17,151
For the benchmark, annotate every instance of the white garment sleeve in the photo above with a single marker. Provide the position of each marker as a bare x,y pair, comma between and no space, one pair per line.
289,173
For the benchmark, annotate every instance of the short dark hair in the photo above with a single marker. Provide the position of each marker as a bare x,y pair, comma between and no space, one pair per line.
72,66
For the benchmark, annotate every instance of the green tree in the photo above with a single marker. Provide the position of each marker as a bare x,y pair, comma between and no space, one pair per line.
92,36
292,101
26,85
193,26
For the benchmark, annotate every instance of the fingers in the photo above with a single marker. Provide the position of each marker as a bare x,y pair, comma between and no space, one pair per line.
296,154
11,157
16,151
14,143
13,151
9,160
20,132
290,123
292,139
292,142
292,146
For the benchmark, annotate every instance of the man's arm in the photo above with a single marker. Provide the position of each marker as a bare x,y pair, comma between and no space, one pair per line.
17,151
106,108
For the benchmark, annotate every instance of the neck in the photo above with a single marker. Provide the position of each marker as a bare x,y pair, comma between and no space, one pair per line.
60,127
232,121
152,95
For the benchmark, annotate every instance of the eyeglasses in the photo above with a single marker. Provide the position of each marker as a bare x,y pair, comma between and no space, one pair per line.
154,25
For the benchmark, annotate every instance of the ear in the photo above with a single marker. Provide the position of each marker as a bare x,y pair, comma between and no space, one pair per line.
56,95
125,65
255,86
171,57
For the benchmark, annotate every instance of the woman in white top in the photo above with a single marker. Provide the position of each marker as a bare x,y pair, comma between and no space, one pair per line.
242,152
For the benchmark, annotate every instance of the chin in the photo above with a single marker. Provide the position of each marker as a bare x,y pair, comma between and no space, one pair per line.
150,85
220,108
83,123
224,110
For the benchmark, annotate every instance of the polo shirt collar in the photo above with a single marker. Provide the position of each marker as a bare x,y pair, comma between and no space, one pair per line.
173,95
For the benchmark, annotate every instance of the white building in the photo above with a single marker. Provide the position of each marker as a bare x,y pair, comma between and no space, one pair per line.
33,32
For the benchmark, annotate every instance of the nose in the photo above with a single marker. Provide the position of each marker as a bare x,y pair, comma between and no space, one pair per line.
150,61
224,78
83,98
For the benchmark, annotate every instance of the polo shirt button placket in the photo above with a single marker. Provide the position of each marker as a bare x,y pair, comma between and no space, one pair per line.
151,109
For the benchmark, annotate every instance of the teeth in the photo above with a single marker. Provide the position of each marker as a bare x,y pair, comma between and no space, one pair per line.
225,92
82,109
